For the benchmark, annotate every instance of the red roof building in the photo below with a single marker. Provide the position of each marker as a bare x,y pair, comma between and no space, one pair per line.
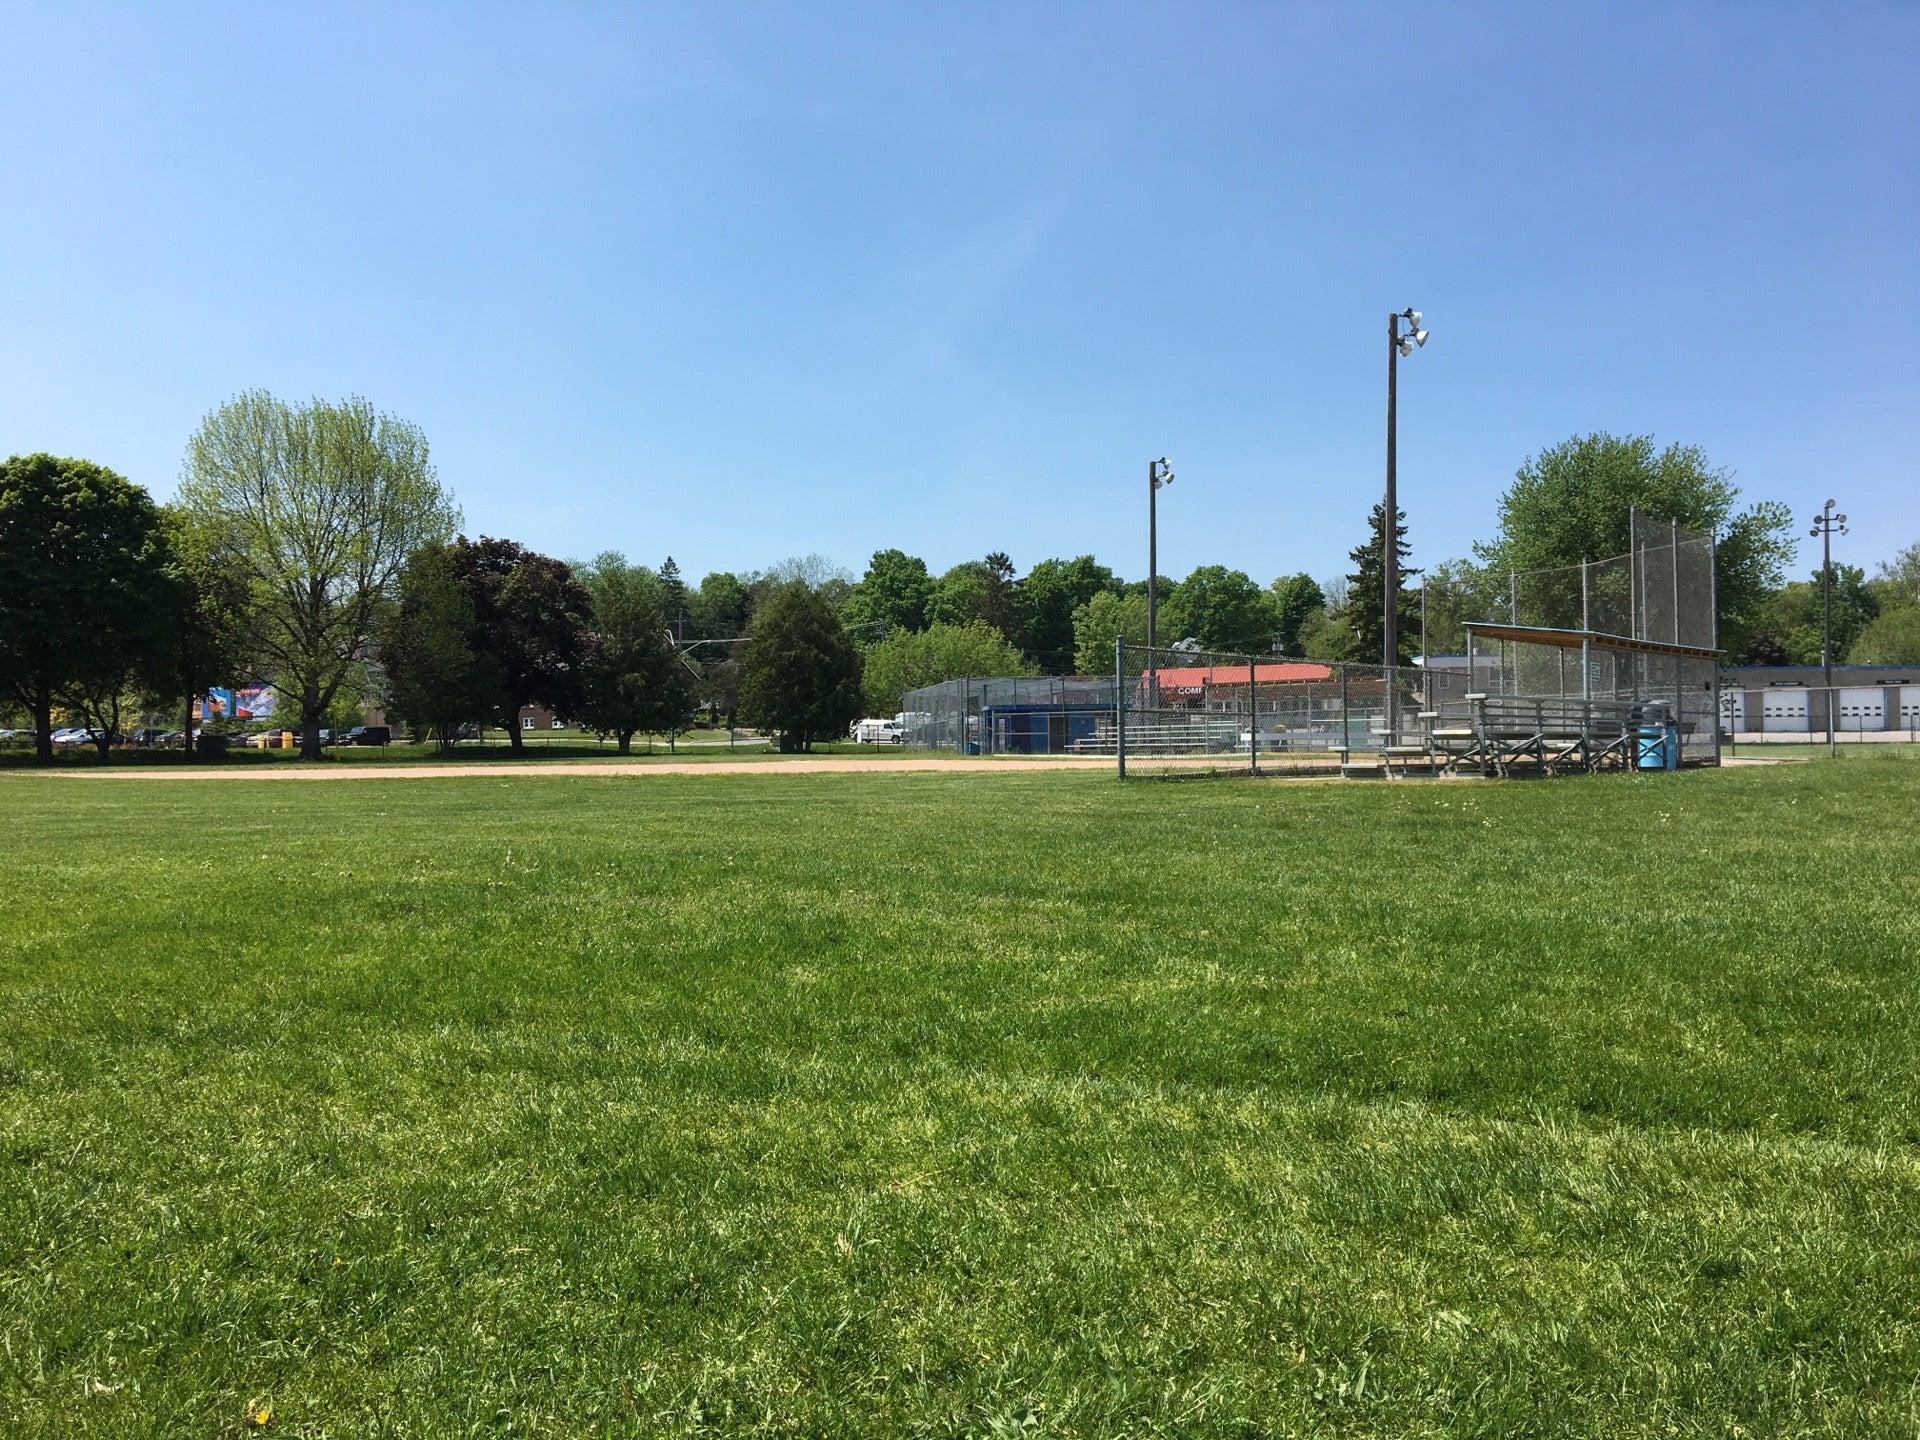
1192,679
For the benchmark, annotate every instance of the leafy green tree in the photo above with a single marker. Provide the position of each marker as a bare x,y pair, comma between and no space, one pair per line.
1327,636
634,679
1573,503
1048,596
1455,592
908,659
1100,622
83,589
1890,638
800,674
438,678
533,623
1223,609
1295,598
1786,631
1898,579
721,607
893,593
826,579
982,590
321,505
207,641
1365,615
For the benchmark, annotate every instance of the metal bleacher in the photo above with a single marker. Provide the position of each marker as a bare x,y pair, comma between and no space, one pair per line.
1542,734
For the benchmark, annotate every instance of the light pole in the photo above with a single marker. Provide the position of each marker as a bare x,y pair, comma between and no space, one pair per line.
1159,473
1398,343
1826,525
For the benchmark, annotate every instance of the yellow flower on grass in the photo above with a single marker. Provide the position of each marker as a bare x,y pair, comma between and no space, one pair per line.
259,1414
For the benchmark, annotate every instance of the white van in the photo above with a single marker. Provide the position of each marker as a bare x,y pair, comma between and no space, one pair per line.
877,732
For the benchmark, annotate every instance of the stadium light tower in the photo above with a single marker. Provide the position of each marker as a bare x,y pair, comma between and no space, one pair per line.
1825,526
1159,473
1399,342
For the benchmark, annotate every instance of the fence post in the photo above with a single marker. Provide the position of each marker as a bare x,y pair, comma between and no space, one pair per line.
1253,718
1586,636
1120,704
1346,720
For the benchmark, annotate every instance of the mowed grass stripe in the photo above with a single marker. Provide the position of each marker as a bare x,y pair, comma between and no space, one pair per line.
952,1105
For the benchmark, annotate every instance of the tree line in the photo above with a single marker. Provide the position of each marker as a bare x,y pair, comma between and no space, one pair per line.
312,546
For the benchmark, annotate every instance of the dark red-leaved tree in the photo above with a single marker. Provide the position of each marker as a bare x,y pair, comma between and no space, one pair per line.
532,619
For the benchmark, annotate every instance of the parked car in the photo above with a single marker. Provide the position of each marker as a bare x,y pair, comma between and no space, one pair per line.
73,735
877,732
368,735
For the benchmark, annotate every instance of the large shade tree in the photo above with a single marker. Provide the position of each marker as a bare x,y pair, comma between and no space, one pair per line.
320,504
908,659
83,590
1048,596
207,636
1786,629
978,590
720,608
633,680
1102,621
1890,638
533,623
438,676
1574,502
800,674
892,595
1223,609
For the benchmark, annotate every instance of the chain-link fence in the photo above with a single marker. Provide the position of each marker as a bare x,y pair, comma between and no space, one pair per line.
1660,590
1668,684
1189,711
1012,715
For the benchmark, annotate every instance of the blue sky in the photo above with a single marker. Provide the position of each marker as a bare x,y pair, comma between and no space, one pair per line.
743,282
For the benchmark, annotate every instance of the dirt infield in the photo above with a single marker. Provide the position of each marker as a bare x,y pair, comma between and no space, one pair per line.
797,765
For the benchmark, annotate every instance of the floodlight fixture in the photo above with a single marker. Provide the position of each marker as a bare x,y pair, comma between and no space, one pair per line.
1401,343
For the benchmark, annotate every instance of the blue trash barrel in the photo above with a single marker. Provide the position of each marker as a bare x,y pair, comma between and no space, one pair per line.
1652,747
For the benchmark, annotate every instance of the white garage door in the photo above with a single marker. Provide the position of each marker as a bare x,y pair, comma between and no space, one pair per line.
1733,710
1783,709
1862,708
1909,706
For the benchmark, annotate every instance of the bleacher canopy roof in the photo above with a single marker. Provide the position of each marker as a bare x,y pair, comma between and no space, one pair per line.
1574,639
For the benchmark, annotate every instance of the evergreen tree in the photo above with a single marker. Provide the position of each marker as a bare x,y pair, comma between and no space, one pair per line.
437,675
1367,595
800,675
674,600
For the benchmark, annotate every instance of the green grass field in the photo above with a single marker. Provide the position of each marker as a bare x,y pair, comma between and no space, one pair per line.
938,1105
546,749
